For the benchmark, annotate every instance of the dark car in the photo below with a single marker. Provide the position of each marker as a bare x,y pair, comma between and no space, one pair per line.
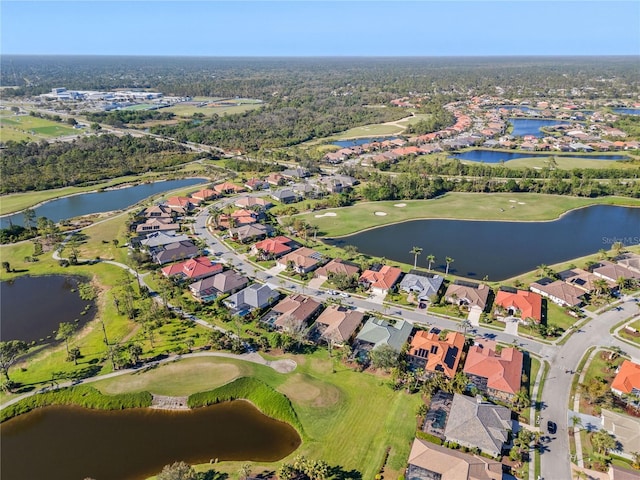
552,428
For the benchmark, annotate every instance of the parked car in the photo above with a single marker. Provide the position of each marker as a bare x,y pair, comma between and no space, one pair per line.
332,292
344,294
552,428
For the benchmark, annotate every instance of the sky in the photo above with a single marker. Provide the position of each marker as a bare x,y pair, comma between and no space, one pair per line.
325,28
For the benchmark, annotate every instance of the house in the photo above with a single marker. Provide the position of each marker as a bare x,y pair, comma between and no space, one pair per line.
254,296
175,251
432,354
182,204
520,303
377,332
256,184
497,374
338,324
295,173
627,380
253,203
380,281
158,211
158,239
613,271
425,287
227,282
630,261
285,196
275,179
306,190
204,195
254,231
471,295
619,473
303,260
581,279
273,247
193,269
559,292
474,423
227,188
157,225
428,461
293,313
337,266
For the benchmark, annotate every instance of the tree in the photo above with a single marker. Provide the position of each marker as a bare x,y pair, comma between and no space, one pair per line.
415,251
178,471
464,326
65,332
29,216
448,261
603,441
74,355
384,357
431,258
6,266
244,472
134,350
617,248
9,353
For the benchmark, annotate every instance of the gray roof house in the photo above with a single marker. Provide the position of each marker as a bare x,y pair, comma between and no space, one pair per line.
475,423
208,288
377,332
425,287
158,239
175,251
254,296
285,196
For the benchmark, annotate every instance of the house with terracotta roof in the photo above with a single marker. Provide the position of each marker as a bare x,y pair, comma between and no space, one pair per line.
204,194
293,313
497,374
182,204
275,179
193,269
382,280
271,248
520,303
303,260
338,324
256,184
253,203
429,461
337,266
471,295
432,354
559,292
474,423
227,188
627,380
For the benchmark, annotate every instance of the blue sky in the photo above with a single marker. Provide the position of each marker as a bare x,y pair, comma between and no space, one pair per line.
301,28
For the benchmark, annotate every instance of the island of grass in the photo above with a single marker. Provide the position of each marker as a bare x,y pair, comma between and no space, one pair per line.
453,205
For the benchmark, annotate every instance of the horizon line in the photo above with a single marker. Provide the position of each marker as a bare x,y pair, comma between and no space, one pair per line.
490,55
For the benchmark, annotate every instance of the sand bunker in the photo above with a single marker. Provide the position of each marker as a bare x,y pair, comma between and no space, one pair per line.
400,205
521,203
380,214
512,201
328,214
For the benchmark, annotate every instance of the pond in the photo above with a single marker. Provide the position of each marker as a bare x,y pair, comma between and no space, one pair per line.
96,202
530,126
62,443
33,307
361,141
627,111
501,250
493,156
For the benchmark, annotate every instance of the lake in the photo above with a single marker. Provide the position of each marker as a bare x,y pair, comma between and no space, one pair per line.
493,156
627,111
361,141
62,443
96,202
33,307
497,249
531,126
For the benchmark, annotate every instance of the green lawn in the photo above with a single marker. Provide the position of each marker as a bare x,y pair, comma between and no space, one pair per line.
349,418
21,127
566,163
470,206
629,335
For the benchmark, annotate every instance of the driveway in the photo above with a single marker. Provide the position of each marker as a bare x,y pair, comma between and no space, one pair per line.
474,317
511,326
315,283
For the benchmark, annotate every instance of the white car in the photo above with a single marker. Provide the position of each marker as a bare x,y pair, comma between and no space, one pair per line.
344,294
332,292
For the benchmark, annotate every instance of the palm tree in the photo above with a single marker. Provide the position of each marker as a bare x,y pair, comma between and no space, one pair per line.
464,326
448,261
431,258
415,251
617,248
602,254
542,269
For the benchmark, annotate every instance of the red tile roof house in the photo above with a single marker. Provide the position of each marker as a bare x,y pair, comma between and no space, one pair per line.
204,194
227,187
255,184
271,248
182,204
380,282
521,303
294,313
627,380
498,375
336,266
193,269
303,260
428,352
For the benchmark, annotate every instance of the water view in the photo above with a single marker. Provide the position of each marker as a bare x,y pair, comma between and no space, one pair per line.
58,301
96,202
62,443
530,126
627,111
497,249
361,141
493,156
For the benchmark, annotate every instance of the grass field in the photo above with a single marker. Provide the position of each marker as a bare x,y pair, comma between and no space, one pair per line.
23,127
349,418
468,206
242,105
566,163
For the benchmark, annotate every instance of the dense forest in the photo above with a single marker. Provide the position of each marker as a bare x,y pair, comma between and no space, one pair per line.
40,166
